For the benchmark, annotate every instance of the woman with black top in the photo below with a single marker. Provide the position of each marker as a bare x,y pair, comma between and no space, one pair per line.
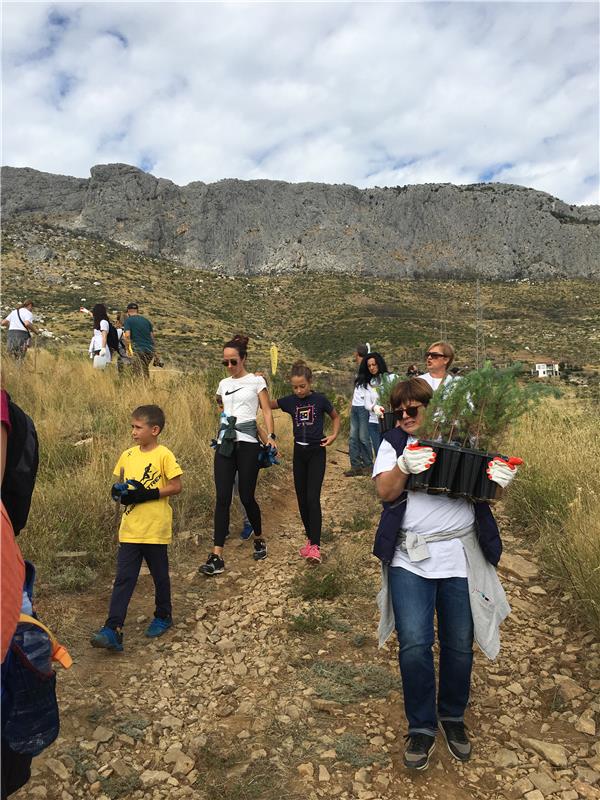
239,396
307,409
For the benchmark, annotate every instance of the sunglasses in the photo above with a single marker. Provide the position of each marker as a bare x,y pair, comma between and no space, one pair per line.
432,354
411,411
227,361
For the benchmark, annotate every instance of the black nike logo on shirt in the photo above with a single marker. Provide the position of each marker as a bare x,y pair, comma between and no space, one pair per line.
233,391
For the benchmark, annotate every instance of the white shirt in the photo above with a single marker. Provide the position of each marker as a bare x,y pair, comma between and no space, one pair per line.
96,343
240,400
435,382
14,323
428,513
358,398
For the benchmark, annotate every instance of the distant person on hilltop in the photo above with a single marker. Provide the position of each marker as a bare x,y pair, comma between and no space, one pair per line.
99,344
139,337
438,360
20,327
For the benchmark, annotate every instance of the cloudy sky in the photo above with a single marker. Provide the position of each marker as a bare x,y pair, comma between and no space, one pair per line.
373,94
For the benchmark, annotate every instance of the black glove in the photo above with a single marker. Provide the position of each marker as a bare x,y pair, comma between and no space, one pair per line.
138,494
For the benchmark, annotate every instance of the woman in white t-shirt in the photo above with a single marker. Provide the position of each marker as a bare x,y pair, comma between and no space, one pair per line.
429,582
98,343
438,360
239,396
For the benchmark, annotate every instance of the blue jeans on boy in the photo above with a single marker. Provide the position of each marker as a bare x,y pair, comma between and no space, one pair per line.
129,561
375,436
359,443
416,600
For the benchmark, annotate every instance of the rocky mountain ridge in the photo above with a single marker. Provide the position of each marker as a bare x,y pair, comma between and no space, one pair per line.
492,230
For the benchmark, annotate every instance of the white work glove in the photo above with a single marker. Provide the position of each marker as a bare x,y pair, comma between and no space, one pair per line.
503,472
103,352
379,411
415,458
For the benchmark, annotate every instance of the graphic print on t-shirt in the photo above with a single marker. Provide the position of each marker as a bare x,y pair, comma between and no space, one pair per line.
305,415
149,479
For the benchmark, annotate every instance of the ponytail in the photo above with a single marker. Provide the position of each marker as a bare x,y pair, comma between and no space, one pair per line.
300,369
239,343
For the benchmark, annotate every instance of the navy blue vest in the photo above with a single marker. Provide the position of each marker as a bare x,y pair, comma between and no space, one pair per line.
392,515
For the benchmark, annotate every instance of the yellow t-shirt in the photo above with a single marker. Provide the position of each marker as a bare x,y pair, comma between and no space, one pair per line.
151,522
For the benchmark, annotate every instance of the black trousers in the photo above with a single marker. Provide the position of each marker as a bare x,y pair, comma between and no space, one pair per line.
129,561
244,461
309,471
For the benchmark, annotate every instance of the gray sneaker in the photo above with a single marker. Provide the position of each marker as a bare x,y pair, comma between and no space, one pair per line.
419,746
456,739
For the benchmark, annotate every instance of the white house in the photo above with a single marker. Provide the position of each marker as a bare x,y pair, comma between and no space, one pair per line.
546,370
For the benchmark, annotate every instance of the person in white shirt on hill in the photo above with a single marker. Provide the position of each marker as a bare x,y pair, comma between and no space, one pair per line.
20,327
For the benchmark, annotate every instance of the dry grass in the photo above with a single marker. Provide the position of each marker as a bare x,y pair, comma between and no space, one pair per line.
83,421
557,495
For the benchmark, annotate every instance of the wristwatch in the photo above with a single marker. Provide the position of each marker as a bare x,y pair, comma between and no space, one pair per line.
271,436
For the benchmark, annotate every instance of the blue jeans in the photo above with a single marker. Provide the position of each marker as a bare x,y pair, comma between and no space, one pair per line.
375,436
416,600
359,443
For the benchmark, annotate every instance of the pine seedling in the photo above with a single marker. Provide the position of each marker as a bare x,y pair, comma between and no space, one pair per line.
477,409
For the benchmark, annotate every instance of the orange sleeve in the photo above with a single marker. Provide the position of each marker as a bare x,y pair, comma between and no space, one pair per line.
12,576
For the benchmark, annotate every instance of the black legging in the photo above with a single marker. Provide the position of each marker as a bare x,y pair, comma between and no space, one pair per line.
244,461
309,471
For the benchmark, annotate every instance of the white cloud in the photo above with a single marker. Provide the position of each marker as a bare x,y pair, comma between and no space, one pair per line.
366,93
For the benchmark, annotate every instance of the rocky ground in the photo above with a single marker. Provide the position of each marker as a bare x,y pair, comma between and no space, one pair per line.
261,692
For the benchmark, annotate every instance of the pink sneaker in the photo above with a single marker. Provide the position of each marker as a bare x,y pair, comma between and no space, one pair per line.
305,550
314,554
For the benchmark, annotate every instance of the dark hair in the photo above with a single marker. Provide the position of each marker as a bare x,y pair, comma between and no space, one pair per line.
132,306
415,389
300,369
446,349
364,376
26,303
152,415
99,313
239,343
362,350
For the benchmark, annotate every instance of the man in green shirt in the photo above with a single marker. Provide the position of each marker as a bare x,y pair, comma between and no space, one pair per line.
139,336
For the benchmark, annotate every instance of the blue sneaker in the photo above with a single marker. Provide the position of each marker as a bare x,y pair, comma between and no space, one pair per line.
157,627
247,531
108,639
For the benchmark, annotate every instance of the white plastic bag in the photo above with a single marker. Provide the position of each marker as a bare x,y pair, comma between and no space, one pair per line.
100,362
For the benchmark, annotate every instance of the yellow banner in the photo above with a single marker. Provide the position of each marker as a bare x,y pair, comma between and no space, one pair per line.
274,356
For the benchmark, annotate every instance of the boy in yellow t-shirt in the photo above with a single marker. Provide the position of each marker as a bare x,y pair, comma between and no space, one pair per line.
151,476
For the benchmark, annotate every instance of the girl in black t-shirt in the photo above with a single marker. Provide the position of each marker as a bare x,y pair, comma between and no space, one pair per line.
307,409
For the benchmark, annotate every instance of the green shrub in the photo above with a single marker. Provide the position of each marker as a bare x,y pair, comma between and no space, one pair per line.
315,584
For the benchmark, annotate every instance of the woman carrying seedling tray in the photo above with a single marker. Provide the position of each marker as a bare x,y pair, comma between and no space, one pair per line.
438,555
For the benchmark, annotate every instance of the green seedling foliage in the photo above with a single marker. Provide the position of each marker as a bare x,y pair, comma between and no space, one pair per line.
478,409
384,392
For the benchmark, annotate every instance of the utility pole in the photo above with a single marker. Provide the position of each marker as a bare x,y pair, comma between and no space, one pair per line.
443,328
479,334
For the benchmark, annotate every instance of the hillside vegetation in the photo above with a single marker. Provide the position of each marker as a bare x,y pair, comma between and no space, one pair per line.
319,317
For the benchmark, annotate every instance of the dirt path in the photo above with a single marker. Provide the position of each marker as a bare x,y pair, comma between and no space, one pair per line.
257,693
